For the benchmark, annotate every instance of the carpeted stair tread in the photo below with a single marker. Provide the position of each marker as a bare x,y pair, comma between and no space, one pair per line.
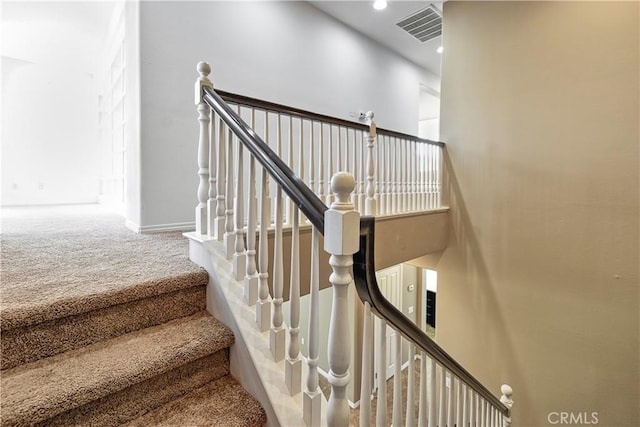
81,260
43,389
220,403
33,342
128,404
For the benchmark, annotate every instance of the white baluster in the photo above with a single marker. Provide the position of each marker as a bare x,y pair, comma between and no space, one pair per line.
395,171
458,402
353,148
341,240
293,364
361,171
410,418
321,170
482,413
381,404
487,414
442,403
229,238
382,169
397,380
450,401
311,399
329,196
465,405
401,177
432,177
213,187
204,116
263,307
370,204
493,417
290,206
311,157
340,153
251,279
267,188
367,355
219,223
472,408
422,406
506,399
414,176
301,162
432,393
423,177
478,414
240,255
277,335
438,176
389,175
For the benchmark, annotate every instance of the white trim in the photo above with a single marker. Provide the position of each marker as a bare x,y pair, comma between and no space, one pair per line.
160,228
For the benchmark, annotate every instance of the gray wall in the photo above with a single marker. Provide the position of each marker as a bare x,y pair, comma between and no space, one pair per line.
285,52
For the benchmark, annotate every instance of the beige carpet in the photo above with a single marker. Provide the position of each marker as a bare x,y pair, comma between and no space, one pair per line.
80,259
101,326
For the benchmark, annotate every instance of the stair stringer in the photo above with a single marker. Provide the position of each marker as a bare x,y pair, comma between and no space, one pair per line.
251,362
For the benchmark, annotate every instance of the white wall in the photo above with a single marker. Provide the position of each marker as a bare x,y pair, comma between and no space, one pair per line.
49,111
285,52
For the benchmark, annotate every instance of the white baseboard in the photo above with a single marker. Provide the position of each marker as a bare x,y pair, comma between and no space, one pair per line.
160,228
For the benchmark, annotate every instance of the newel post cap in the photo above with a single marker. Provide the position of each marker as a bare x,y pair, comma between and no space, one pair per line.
341,220
204,69
507,392
372,124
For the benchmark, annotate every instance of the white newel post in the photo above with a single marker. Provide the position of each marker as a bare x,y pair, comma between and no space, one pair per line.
204,117
342,235
370,203
506,399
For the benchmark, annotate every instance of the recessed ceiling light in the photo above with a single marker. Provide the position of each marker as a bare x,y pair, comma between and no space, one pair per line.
380,4
440,49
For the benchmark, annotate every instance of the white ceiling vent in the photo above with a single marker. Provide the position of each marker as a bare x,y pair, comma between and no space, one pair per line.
425,24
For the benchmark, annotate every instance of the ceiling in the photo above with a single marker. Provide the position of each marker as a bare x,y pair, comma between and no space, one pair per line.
380,25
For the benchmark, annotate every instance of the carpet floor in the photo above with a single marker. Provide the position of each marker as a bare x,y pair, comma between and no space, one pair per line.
102,326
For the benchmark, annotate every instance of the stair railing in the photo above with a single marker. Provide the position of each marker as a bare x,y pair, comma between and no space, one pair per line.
373,158
348,238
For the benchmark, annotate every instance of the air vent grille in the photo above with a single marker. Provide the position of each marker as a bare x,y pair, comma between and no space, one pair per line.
425,24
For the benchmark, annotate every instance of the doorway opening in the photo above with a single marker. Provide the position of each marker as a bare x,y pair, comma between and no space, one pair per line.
430,290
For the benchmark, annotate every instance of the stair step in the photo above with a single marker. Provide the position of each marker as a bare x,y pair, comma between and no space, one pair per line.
219,403
29,343
75,380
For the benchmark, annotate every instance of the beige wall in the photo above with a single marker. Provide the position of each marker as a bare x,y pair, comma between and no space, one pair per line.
539,287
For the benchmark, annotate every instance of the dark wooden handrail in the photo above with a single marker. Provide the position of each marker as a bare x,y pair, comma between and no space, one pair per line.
364,276
313,208
291,184
292,111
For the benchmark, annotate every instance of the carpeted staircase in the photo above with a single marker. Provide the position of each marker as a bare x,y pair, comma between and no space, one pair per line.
127,342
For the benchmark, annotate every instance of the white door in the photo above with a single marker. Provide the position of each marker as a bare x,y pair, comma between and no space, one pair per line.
389,283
